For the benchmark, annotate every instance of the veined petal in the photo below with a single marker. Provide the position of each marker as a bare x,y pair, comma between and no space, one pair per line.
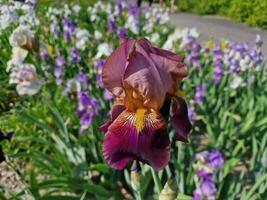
112,73
116,110
123,143
180,120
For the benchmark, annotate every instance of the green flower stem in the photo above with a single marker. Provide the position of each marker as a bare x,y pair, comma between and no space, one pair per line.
138,195
156,180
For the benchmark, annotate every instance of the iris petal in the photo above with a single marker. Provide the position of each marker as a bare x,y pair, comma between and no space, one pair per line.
116,110
153,74
115,66
180,120
123,143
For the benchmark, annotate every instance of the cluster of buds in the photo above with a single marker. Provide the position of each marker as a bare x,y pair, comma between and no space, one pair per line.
207,166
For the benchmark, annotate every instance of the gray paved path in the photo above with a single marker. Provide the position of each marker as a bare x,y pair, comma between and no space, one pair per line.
218,28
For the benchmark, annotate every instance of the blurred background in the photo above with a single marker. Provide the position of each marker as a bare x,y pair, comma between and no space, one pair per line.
52,99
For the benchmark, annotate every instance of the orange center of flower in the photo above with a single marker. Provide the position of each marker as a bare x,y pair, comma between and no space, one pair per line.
140,119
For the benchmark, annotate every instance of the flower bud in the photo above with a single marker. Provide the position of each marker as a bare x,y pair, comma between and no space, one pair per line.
170,191
136,176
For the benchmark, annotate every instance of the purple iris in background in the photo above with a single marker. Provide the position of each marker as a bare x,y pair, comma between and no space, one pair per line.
119,8
218,64
58,75
60,61
208,164
192,114
122,32
69,29
88,108
3,137
99,64
191,45
215,159
208,188
55,29
111,24
200,93
75,55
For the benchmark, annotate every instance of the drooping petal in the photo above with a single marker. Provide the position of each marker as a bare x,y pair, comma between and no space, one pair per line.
116,110
153,75
180,120
123,143
112,73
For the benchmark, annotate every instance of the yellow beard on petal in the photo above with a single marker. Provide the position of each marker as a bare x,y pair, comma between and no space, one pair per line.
140,119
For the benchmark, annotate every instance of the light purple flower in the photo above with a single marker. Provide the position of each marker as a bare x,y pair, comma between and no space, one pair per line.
88,108
192,114
75,55
60,61
200,93
208,188
122,32
218,64
69,29
197,195
111,24
26,78
119,8
58,75
215,159
55,29
108,95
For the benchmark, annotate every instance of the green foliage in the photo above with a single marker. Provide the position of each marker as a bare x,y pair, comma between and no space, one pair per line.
252,12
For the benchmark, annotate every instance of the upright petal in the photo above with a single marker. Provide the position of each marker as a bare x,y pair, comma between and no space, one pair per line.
123,143
161,52
180,120
115,66
153,75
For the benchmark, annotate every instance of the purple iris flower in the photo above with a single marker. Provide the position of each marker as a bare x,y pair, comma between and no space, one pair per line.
100,63
111,25
58,75
122,32
69,29
215,159
60,61
208,188
218,64
88,108
192,114
83,77
55,29
200,93
75,55
205,174
3,137
197,195
194,47
134,10
119,7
